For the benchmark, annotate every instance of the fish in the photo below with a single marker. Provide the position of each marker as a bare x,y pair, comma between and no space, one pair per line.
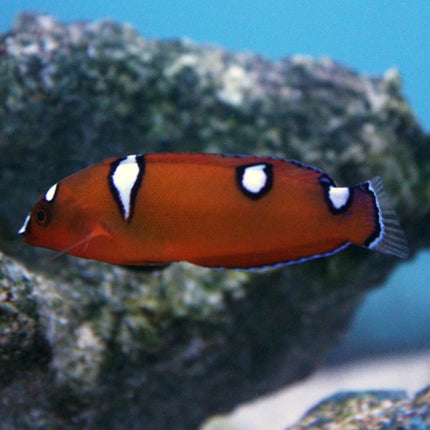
212,210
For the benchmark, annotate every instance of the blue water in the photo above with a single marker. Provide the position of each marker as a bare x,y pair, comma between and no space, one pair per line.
393,318
368,35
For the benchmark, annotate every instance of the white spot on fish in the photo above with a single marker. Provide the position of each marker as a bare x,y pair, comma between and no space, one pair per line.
23,229
338,196
123,179
254,178
51,193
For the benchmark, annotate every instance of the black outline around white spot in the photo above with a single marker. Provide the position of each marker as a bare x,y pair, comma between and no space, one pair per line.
140,161
268,171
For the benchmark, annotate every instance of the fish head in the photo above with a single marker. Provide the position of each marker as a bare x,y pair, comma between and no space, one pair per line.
60,221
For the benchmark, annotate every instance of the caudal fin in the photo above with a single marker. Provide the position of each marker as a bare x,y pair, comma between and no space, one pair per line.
391,238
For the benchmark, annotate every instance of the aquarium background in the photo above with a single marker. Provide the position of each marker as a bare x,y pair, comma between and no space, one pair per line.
369,36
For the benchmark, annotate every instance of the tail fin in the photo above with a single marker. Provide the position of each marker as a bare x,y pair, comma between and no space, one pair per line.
391,239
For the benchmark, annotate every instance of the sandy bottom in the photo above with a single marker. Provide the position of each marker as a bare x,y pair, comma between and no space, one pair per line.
410,372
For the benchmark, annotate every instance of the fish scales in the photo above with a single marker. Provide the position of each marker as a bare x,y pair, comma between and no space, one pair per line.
211,210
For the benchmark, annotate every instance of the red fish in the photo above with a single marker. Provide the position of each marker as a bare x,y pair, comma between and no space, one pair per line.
210,210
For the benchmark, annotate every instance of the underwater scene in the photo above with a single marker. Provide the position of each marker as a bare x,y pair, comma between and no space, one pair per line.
214,216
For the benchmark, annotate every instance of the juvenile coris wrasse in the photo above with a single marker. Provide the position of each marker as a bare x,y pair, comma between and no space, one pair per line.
210,210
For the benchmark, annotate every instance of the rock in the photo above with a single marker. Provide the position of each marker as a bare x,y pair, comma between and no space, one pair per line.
89,345
372,410
22,341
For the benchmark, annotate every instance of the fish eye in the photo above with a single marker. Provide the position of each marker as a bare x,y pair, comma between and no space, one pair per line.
41,216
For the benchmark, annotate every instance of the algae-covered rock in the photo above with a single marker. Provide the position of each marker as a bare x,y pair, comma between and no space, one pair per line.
370,410
90,345
21,337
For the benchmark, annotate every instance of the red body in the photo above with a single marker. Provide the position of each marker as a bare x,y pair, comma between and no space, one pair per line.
211,210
